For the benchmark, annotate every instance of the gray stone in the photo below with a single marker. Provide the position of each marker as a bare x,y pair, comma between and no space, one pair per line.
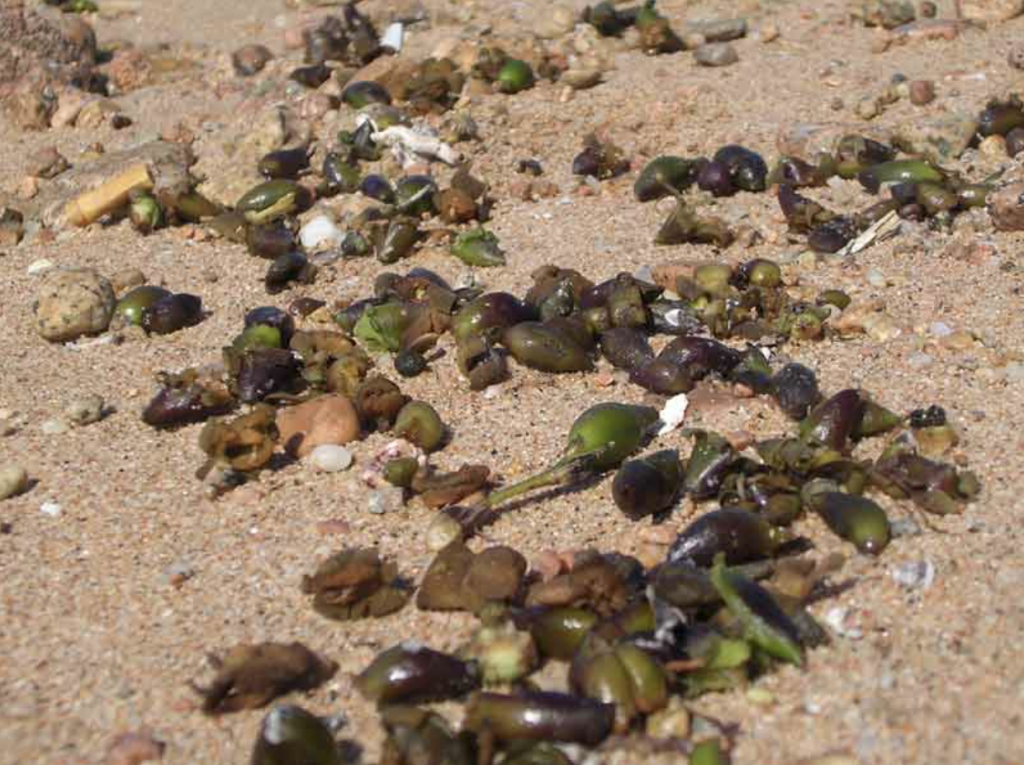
717,30
716,54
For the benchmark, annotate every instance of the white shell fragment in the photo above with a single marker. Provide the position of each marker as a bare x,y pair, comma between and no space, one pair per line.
672,416
319,232
392,37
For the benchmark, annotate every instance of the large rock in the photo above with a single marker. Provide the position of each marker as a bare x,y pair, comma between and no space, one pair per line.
41,45
168,164
991,11
938,139
73,302
807,140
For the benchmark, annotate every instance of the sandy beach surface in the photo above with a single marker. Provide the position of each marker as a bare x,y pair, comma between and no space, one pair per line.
96,636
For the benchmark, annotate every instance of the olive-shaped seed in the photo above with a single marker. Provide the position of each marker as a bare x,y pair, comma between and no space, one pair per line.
559,632
662,176
365,92
289,734
740,535
515,75
257,336
544,347
747,168
284,163
134,305
795,388
420,423
762,273
378,187
173,312
648,485
856,519
270,241
714,177
540,716
412,673
272,316
400,471
409,363
145,213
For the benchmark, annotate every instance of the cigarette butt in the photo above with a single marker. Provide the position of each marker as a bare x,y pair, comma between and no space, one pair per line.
93,205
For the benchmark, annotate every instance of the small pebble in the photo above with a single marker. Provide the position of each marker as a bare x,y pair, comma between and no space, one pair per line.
922,92
180,572
716,54
920,360
760,696
13,481
54,427
331,459
40,266
876,278
51,509
836,617
905,527
915,575
387,499
442,531
250,59
85,410
1015,58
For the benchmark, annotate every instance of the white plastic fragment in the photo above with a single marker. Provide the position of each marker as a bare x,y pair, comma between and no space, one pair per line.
411,146
392,37
673,414
51,509
885,227
40,266
836,619
321,231
915,575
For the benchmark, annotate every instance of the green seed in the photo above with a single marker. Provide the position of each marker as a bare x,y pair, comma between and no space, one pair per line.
856,519
133,306
478,247
515,75
709,753
290,734
764,622
420,423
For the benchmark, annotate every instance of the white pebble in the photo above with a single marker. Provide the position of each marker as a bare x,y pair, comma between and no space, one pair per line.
54,427
876,278
916,575
836,619
387,499
51,509
920,360
940,329
319,232
331,458
40,266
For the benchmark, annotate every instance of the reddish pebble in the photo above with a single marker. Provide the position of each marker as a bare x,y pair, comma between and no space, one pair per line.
922,92
134,748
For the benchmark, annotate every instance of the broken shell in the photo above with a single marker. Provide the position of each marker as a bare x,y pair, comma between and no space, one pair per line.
664,176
